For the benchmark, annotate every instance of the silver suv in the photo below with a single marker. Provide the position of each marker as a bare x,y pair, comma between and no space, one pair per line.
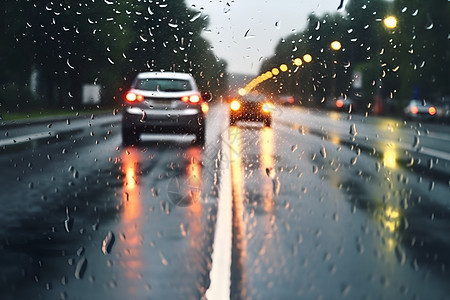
161,102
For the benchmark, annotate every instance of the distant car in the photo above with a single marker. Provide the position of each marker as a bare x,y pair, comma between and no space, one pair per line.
160,102
419,110
251,107
286,100
342,104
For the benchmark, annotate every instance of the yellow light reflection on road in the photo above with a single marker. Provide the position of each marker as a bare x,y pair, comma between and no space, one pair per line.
390,157
267,166
237,181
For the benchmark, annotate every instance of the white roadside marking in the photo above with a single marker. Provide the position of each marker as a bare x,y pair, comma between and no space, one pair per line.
220,274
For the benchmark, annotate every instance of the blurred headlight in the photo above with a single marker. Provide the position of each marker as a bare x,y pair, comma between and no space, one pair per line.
235,105
267,107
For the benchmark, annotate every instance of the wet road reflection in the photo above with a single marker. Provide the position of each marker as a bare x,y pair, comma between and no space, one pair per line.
132,256
239,253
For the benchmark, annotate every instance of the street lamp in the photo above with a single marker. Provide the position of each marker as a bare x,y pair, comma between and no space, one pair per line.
298,62
283,68
390,22
307,58
336,45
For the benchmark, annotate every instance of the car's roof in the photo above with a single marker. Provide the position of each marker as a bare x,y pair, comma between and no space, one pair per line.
170,75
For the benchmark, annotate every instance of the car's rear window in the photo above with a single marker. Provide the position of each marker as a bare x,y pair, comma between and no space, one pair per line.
254,98
163,84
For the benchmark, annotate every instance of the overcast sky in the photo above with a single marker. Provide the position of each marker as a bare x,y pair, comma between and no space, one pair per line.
244,32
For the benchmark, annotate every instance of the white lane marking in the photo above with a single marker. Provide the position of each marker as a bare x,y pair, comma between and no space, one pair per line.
26,138
220,274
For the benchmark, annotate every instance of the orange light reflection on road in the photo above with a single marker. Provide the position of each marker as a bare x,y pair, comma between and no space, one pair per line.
237,180
194,211
132,216
194,175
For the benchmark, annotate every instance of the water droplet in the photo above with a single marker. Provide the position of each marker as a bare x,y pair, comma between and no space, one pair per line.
150,12
195,17
163,259
276,185
323,152
80,251
345,289
416,141
247,35
353,130
69,65
173,25
81,268
401,256
143,38
108,243
315,169
431,186
354,160
277,24
294,147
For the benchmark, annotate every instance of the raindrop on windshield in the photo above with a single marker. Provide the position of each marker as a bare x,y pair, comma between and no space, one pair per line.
108,243
81,268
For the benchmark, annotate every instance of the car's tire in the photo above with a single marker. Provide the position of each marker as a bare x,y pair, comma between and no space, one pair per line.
130,136
267,122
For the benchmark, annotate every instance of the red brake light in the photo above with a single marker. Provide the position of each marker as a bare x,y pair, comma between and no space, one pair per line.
132,97
192,99
414,110
339,103
432,110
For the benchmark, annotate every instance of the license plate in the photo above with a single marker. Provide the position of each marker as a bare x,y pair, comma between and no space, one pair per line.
160,103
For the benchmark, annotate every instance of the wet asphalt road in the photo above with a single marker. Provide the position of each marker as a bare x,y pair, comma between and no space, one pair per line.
322,206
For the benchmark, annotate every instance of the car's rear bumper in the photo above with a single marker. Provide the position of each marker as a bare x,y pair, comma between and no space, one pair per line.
163,121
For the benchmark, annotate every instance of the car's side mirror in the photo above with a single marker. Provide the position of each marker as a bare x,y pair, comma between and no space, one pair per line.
207,96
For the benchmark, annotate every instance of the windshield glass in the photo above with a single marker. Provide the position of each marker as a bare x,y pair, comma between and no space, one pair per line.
132,168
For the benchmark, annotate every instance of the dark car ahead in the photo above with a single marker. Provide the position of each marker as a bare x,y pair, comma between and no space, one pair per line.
251,107
161,102
420,110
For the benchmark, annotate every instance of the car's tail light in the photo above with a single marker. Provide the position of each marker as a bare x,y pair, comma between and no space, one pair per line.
432,110
235,105
191,99
205,107
132,97
267,107
339,103
414,110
